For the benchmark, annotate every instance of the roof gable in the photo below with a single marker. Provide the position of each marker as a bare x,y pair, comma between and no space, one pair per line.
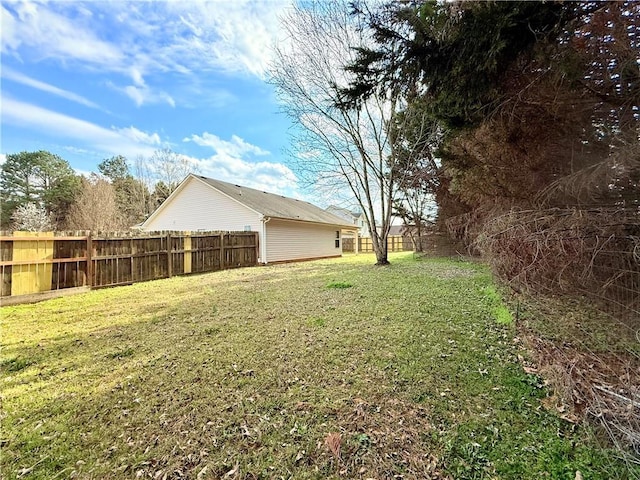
276,206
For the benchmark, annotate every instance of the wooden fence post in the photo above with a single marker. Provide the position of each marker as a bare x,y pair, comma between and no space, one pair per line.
256,241
89,261
222,267
169,256
187,251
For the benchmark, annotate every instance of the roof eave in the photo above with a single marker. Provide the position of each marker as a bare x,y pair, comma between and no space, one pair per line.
341,225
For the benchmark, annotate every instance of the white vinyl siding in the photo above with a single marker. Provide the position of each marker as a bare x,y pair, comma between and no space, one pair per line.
197,206
290,240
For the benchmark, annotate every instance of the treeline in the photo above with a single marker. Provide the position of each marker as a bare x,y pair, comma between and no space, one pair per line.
40,191
534,119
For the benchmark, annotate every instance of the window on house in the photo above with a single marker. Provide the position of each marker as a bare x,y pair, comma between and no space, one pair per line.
337,243
247,228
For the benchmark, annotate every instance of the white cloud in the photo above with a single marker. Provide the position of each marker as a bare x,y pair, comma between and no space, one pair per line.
234,36
143,94
14,76
271,177
3,158
139,136
53,35
236,147
229,163
136,76
128,141
145,40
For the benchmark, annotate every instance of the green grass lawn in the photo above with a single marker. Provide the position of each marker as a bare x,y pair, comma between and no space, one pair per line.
326,369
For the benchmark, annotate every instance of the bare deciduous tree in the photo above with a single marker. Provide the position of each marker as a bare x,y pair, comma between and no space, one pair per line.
338,146
162,172
95,207
416,138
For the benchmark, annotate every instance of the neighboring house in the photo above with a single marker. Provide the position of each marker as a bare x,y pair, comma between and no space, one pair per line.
288,229
355,218
396,230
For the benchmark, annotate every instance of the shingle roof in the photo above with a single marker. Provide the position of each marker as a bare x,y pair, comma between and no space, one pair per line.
276,206
344,211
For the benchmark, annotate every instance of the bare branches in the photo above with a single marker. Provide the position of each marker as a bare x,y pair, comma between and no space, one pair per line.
336,148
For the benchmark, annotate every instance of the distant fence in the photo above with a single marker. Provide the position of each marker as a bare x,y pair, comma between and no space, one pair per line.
395,243
39,262
432,243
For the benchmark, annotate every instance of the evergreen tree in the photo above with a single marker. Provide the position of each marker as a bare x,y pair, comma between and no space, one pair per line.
41,178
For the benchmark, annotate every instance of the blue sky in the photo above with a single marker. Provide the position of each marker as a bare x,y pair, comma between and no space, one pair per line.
89,80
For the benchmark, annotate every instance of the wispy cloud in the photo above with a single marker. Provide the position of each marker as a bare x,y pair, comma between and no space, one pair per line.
236,147
142,94
128,141
14,76
143,43
145,40
55,35
233,36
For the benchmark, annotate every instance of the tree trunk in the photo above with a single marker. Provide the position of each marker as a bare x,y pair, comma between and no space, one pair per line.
418,234
380,247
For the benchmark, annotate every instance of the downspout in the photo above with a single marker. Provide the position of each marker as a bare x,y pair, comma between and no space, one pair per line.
263,243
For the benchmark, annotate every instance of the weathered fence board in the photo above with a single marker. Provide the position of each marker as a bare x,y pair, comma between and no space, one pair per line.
6,257
49,261
28,276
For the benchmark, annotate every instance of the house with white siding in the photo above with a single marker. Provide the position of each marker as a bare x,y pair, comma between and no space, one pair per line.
355,218
288,229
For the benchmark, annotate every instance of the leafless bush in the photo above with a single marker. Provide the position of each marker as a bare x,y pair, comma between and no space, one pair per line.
602,387
568,250
592,254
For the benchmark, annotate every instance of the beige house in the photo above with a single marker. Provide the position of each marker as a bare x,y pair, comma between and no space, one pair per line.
288,229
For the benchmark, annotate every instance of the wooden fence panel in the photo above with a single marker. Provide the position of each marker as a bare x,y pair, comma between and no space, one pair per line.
395,243
205,253
71,269
176,245
240,250
122,261
32,263
55,261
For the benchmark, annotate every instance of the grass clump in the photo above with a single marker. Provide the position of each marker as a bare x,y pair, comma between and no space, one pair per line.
121,353
263,373
498,309
15,364
339,285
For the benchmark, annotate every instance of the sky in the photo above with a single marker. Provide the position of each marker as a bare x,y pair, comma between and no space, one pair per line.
90,80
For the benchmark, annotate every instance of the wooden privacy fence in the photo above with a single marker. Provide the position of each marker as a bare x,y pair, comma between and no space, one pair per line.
47,261
395,243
